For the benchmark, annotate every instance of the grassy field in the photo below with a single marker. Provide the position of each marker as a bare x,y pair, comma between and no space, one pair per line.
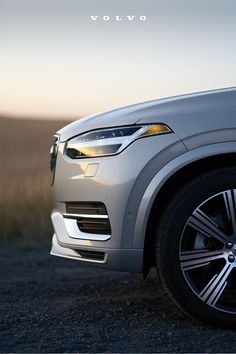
25,178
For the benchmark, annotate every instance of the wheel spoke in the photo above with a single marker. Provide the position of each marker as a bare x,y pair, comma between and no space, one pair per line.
230,204
207,252
198,258
206,226
215,287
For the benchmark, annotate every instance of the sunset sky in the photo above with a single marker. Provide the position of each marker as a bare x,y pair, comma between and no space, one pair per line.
56,62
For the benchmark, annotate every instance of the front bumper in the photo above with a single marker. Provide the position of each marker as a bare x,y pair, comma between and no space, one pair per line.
128,260
117,181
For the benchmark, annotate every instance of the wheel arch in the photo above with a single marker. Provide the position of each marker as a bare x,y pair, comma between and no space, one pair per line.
168,179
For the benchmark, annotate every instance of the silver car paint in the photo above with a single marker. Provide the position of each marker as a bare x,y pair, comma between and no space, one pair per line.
204,124
187,115
114,181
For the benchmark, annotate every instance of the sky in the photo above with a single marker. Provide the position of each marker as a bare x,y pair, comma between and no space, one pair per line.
56,62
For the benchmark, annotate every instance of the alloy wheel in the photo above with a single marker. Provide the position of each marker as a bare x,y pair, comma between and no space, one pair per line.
207,251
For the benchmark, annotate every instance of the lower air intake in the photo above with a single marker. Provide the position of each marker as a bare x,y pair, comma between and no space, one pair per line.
92,255
91,217
86,208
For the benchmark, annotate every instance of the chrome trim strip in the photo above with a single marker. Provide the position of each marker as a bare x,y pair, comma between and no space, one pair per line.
94,216
74,232
70,228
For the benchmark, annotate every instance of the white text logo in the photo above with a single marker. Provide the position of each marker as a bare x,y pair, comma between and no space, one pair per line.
118,18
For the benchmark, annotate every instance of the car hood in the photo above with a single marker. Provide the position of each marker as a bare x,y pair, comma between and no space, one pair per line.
185,115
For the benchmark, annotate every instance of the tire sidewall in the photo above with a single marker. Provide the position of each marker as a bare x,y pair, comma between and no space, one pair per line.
169,232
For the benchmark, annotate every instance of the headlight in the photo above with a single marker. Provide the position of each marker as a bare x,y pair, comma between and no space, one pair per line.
112,141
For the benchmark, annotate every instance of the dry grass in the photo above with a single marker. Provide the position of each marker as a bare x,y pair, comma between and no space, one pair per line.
25,178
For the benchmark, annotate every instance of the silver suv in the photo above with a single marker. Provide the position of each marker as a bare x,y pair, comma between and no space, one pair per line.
154,185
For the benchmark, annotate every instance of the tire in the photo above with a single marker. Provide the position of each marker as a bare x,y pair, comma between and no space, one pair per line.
196,248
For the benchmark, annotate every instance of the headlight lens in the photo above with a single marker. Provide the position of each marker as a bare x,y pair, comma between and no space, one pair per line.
112,141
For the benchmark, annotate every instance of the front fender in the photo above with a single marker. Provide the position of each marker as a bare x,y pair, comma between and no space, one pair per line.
164,174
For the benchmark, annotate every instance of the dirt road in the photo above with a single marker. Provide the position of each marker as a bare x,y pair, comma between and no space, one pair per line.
49,304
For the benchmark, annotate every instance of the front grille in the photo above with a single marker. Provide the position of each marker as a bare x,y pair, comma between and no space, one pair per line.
53,156
91,217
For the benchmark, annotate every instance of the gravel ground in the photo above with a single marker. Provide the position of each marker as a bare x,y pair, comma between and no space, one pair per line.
49,304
